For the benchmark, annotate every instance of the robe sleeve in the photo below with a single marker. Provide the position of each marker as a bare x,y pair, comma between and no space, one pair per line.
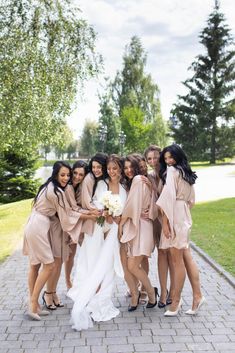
70,196
86,192
132,210
69,219
191,201
167,199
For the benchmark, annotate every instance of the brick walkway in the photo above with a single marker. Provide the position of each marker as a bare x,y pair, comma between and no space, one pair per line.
213,330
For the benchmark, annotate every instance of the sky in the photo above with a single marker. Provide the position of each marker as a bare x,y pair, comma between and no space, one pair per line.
168,30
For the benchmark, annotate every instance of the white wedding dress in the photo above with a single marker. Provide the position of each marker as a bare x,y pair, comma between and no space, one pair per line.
97,265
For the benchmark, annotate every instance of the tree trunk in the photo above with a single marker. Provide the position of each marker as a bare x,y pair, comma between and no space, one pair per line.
213,133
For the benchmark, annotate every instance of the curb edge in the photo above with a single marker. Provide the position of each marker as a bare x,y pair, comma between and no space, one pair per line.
229,278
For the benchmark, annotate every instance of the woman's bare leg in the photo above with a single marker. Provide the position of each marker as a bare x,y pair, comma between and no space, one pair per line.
193,275
163,267
178,276
41,280
52,281
143,294
131,280
68,265
171,272
134,267
32,277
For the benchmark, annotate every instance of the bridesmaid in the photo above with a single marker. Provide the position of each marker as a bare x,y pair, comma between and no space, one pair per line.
73,193
152,155
175,201
50,200
63,246
136,231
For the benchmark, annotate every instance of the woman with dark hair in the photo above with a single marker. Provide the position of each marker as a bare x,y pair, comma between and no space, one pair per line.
63,245
49,201
175,201
73,193
136,231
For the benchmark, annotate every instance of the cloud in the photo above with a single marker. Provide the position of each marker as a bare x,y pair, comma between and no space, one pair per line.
169,33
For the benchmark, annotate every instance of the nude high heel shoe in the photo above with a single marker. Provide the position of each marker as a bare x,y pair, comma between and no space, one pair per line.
174,313
194,312
34,316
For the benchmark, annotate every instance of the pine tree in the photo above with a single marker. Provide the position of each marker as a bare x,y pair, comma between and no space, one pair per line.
203,119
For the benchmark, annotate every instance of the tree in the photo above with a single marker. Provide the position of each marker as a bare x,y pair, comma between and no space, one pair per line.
89,138
110,121
136,130
17,176
62,144
72,149
203,119
133,88
46,53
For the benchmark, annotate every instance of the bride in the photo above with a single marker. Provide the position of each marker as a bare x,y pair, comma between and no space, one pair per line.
99,258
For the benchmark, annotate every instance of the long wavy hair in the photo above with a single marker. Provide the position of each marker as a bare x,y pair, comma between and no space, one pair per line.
181,164
136,169
100,158
54,180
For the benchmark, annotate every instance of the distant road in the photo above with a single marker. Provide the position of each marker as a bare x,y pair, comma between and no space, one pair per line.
213,183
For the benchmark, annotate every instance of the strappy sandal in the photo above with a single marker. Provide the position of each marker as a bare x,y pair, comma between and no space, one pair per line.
143,297
48,306
58,304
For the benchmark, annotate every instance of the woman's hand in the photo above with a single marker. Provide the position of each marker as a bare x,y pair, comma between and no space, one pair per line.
166,227
84,216
117,219
147,181
96,213
145,214
109,219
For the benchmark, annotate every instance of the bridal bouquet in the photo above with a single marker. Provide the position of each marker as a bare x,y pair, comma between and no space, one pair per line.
112,204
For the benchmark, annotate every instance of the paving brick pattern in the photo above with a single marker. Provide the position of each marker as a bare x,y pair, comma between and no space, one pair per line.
212,330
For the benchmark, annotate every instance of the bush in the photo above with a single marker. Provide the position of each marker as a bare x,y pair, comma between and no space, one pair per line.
17,176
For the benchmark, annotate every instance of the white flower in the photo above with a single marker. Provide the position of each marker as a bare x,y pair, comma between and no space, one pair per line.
112,203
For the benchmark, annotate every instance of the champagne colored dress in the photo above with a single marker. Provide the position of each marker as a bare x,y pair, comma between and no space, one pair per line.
176,199
50,213
137,232
157,188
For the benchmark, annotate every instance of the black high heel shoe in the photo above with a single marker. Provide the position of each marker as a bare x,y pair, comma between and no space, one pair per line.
48,306
59,304
152,305
168,300
162,304
134,307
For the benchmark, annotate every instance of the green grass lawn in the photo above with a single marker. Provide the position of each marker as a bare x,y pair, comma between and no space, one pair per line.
214,231
199,165
13,217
